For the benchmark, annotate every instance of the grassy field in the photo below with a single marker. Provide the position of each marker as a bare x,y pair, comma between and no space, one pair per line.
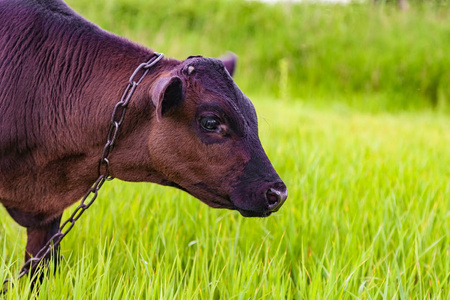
353,108
367,217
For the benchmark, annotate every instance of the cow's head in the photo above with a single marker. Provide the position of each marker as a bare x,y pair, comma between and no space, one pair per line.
204,139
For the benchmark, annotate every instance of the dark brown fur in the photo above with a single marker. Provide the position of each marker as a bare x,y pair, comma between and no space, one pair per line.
60,77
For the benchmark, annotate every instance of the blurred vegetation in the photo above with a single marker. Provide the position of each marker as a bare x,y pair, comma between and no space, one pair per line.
365,54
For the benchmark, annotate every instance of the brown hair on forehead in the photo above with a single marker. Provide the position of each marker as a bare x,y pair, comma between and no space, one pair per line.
209,74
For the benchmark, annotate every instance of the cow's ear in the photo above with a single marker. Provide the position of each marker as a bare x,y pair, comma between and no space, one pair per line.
167,93
229,61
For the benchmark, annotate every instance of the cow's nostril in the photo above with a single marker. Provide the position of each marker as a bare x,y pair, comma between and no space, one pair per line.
275,198
272,197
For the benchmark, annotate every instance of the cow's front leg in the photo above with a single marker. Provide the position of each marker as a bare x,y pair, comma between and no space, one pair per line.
39,230
38,236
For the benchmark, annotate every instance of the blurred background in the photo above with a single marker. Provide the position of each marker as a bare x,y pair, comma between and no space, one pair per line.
353,101
375,55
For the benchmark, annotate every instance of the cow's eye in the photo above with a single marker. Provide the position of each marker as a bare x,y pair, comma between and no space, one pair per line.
210,123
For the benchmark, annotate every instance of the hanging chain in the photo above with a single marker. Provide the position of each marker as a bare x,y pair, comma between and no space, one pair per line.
117,118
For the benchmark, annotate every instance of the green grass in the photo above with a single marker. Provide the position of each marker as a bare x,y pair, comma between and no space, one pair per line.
367,218
362,146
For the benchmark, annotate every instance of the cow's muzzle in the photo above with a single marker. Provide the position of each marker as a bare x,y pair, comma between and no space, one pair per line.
262,200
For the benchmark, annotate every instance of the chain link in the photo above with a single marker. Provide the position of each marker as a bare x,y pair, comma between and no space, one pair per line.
117,118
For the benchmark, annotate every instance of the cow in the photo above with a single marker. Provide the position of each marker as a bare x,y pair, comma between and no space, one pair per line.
188,125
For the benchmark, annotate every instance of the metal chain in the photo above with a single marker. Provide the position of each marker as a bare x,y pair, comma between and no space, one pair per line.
117,118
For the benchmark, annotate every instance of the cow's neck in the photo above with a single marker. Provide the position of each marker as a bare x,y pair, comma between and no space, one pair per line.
91,70
95,67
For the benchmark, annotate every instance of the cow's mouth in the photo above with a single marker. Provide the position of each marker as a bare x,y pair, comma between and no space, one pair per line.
249,213
227,203
244,212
